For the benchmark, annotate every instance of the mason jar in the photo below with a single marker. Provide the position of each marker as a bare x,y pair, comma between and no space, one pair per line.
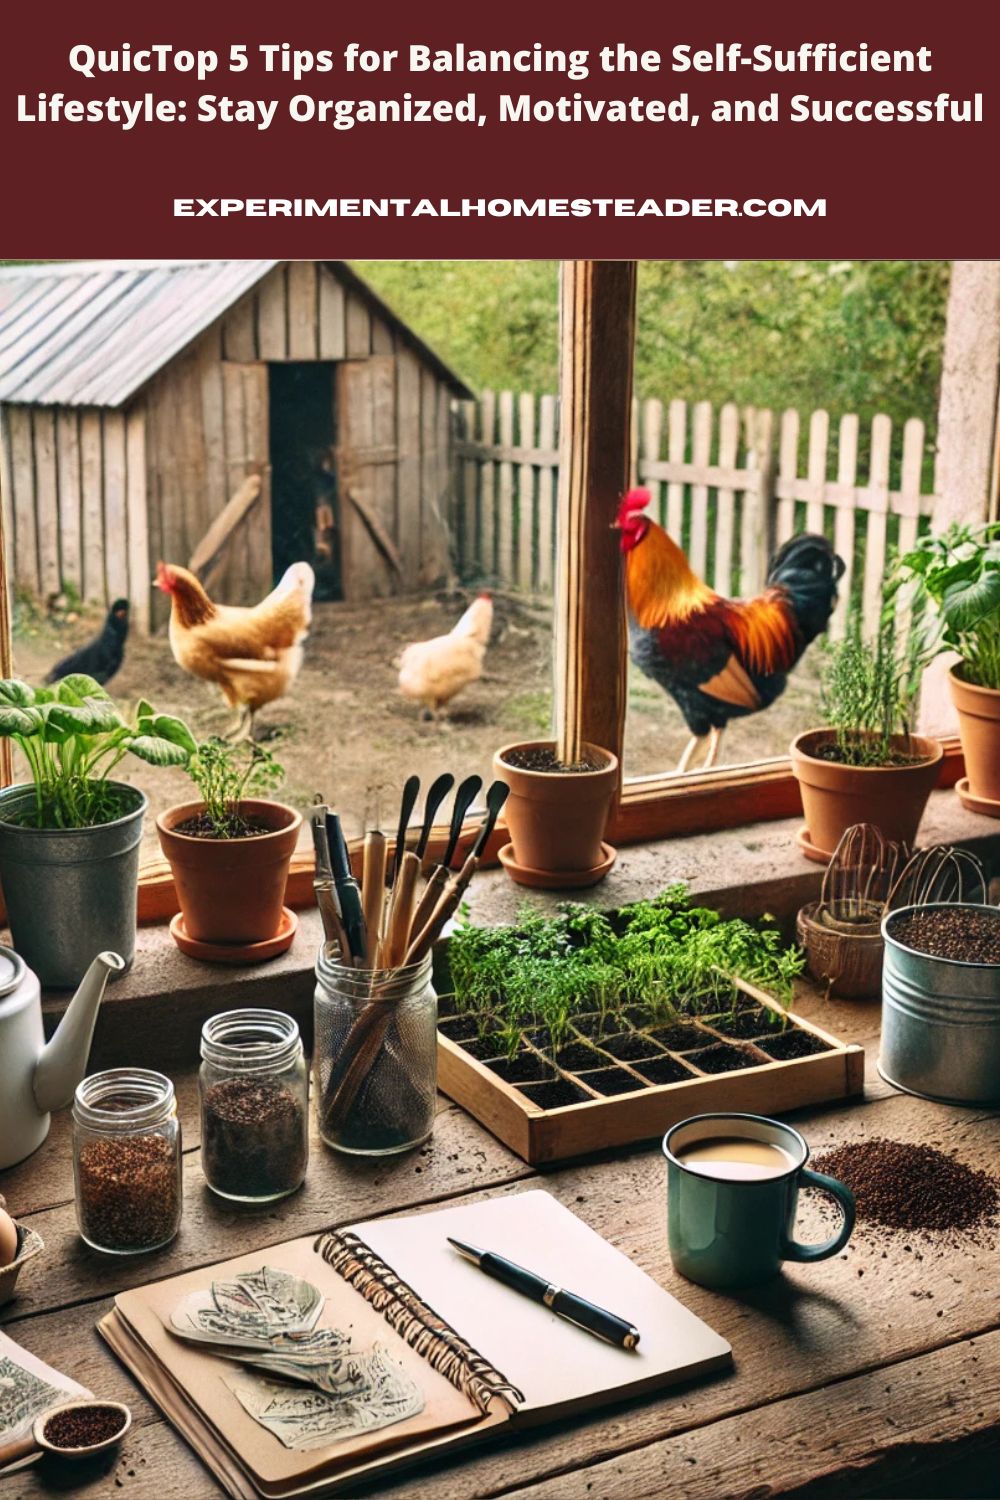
375,1056
127,1160
254,1091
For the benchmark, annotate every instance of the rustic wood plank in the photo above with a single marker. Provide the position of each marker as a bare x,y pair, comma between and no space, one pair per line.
677,421
218,534
819,437
844,519
46,499
487,488
909,501
22,471
116,505
383,340
272,315
213,423
440,558
755,527
239,330
139,564
467,485
384,479
890,1426
332,316
526,495
546,496
303,310
257,527
358,326
363,566
408,468
92,492
652,436
505,492
68,479
788,459
875,533
701,454
725,518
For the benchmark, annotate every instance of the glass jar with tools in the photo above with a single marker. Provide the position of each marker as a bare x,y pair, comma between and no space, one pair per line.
254,1090
127,1160
375,1055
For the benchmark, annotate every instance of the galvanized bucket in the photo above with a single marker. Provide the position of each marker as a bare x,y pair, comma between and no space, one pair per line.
70,892
940,1021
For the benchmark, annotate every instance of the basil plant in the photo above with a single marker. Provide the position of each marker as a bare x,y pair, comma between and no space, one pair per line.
955,579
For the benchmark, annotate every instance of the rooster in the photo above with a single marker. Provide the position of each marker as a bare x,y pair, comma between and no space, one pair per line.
433,672
720,659
253,654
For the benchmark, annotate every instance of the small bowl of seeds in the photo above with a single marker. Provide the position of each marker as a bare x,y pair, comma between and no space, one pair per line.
80,1429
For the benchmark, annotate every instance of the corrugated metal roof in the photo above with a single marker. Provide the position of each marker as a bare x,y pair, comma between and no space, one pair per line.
91,333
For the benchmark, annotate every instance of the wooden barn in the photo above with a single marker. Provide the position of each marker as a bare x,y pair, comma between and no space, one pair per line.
234,416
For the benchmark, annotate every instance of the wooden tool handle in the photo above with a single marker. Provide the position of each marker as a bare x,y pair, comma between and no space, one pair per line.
21,1449
421,942
401,911
431,895
373,890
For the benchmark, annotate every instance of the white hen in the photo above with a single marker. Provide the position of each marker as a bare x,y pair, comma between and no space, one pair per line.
433,672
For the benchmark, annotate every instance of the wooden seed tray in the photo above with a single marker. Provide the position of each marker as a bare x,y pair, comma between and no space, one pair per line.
597,1120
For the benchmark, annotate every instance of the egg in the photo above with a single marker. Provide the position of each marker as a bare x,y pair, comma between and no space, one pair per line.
8,1238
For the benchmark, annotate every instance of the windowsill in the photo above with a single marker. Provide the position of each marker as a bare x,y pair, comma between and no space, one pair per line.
153,1016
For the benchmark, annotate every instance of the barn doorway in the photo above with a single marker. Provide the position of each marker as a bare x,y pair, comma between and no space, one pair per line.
305,511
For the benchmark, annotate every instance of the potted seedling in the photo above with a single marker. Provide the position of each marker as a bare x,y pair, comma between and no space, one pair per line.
866,766
229,852
955,583
560,795
69,837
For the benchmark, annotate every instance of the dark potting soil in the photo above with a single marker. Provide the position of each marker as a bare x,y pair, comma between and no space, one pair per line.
525,1068
253,1138
832,752
82,1426
748,1023
971,936
609,1081
446,1007
554,1095
664,1070
542,758
723,1059
591,1026
902,1186
541,1037
680,1037
482,1048
460,1028
639,1016
201,827
792,1044
629,1046
576,1056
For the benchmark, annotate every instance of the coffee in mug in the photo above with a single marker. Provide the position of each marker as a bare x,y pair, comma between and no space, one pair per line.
732,1191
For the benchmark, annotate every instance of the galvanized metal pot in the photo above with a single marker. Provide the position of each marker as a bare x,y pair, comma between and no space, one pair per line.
70,892
940,1022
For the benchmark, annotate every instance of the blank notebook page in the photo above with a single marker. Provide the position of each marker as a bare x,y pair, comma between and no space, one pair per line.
553,1362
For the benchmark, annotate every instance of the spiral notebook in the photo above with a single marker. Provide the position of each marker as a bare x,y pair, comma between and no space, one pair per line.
482,1357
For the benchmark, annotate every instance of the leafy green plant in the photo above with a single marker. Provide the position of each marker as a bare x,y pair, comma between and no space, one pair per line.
72,737
868,689
225,774
665,955
954,585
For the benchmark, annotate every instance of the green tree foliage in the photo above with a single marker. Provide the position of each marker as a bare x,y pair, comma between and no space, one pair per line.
860,336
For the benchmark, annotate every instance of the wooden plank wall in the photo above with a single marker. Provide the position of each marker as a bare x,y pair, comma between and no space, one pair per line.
73,479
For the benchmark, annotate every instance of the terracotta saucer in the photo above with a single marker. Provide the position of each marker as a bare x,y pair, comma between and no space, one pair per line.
984,805
809,849
237,953
556,880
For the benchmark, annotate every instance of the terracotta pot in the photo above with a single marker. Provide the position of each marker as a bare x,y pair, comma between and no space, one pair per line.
231,890
835,796
556,819
979,728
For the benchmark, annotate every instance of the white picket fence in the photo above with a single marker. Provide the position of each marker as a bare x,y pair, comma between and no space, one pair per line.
731,485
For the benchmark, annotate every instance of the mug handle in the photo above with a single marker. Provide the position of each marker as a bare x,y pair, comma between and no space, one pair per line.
793,1250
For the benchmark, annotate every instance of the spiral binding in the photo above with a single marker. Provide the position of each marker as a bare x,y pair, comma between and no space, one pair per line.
416,1323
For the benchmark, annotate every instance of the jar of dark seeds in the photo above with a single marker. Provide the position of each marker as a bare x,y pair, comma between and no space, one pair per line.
127,1160
254,1098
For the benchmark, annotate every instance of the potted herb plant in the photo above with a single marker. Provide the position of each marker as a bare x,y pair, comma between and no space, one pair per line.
69,837
229,852
955,579
866,766
558,805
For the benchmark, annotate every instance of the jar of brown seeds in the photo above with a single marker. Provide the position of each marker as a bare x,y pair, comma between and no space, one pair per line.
127,1160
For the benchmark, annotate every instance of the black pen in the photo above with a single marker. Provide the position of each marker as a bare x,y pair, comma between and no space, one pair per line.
568,1305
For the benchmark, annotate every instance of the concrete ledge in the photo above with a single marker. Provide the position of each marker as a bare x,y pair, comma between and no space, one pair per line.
153,1016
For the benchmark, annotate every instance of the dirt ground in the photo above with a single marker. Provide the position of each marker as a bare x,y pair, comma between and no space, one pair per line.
345,731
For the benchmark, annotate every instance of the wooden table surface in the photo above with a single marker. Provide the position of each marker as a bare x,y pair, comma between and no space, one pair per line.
875,1373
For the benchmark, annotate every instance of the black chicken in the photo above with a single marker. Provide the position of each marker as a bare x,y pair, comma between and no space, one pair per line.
101,657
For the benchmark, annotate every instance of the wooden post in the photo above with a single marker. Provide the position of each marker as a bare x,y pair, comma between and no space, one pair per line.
967,416
597,336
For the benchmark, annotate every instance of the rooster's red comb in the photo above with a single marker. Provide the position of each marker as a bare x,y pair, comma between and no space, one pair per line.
633,501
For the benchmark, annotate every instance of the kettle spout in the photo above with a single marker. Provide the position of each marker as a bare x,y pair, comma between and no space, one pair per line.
64,1061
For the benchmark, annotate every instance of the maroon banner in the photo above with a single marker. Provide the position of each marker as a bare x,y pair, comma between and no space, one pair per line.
727,130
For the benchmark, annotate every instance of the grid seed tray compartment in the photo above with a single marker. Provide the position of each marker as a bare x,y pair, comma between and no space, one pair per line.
619,1099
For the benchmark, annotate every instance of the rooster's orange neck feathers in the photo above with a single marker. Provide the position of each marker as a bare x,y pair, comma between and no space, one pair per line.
662,587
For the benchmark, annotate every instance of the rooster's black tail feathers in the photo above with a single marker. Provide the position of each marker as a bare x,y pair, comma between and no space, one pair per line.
808,569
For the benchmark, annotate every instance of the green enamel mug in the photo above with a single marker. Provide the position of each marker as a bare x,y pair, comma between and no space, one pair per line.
730,1232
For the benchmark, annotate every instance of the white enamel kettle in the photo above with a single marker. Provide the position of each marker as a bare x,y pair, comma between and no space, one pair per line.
35,1078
